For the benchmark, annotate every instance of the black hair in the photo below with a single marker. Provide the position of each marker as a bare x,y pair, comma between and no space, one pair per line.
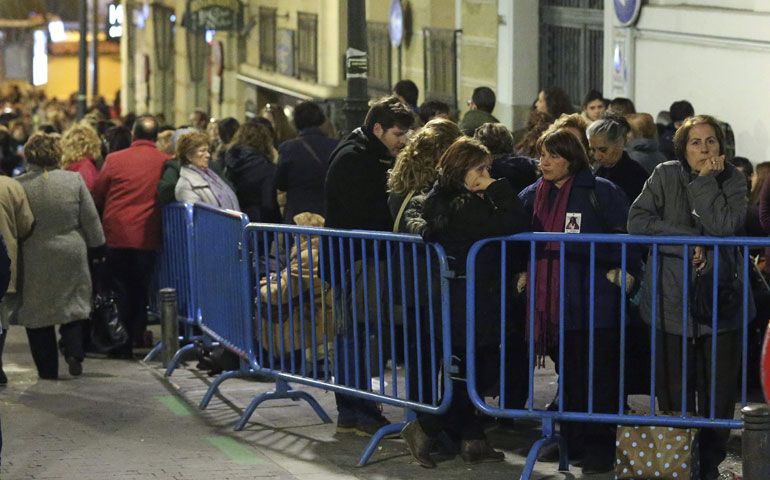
681,110
484,99
557,101
622,105
744,164
227,128
389,112
117,138
591,96
145,128
308,114
407,90
431,108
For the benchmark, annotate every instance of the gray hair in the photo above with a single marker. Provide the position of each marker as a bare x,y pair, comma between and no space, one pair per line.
612,126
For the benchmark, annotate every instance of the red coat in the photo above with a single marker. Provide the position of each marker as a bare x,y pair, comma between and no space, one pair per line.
87,169
125,193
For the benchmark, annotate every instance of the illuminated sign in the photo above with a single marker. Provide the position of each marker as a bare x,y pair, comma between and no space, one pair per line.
115,20
202,15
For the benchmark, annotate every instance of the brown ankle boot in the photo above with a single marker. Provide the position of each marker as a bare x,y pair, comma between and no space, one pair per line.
419,443
479,451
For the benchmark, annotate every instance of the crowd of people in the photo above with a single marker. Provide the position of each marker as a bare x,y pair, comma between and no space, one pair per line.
94,188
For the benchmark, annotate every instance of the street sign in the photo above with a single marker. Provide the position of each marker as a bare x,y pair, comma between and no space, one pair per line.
396,23
220,15
627,11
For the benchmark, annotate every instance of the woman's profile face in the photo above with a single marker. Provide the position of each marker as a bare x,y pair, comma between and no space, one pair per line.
555,168
702,145
540,104
474,176
200,157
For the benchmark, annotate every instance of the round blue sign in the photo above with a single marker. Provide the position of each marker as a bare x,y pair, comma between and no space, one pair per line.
627,11
396,23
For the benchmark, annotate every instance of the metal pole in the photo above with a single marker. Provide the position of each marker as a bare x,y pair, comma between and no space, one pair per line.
755,442
95,50
356,66
83,59
169,326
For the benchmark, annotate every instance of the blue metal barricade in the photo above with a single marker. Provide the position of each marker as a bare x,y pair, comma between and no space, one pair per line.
175,270
342,310
586,264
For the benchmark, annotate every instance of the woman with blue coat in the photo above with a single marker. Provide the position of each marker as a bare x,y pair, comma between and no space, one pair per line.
568,198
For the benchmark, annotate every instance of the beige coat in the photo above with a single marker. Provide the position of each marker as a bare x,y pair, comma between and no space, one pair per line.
15,224
301,323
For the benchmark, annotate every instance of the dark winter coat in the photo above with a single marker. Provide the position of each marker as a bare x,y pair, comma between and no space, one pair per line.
520,170
608,216
646,152
626,174
677,201
302,166
475,118
456,220
253,176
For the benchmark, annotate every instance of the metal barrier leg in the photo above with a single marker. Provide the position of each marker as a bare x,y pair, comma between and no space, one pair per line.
377,438
549,437
178,358
214,387
154,352
756,442
282,390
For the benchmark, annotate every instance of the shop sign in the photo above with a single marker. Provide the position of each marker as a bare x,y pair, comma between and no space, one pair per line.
219,15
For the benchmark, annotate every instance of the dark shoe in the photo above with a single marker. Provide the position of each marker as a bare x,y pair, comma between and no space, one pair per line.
419,443
3,378
370,425
479,451
75,366
593,464
549,453
346,425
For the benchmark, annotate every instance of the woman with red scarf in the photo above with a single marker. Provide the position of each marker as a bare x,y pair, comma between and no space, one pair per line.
568,198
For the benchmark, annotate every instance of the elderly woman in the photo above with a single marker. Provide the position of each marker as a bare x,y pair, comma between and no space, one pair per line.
55,287
197,182
607,141
81,147
698,194
467,205
568,198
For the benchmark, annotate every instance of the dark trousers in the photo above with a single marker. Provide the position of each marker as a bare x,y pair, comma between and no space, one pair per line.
713,441
42,343
597,439
130,271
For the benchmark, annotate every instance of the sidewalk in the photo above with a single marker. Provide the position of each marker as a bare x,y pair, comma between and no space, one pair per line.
123,420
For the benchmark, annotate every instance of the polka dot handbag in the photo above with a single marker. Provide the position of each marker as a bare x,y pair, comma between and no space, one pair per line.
649,452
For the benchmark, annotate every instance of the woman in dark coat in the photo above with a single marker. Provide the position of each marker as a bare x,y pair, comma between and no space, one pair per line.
249,167
467,205
699,194
568,198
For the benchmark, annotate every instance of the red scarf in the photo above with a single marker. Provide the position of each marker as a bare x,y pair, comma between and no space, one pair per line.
548,218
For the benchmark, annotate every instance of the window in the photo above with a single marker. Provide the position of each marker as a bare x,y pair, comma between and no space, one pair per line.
441,65
379,59
267,38
307,44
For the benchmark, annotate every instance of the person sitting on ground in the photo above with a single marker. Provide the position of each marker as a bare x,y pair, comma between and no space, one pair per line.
481,105
593,106
433,109
519,170
607,138
197,182
642,145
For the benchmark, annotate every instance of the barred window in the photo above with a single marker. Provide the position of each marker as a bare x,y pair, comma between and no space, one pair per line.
267,38
379,59
307,28
441,65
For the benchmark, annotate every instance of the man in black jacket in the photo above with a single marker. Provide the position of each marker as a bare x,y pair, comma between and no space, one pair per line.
356,198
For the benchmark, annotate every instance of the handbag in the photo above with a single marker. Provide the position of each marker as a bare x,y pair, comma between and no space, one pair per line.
655,452
729,297
107,331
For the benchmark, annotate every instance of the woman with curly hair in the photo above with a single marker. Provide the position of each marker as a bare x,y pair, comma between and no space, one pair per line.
415,169
537,124
80,146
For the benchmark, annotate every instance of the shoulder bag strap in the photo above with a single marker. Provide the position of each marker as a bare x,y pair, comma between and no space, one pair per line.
310,150
401,211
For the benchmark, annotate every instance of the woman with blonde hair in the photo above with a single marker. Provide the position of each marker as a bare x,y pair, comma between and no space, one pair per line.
81,147
415,169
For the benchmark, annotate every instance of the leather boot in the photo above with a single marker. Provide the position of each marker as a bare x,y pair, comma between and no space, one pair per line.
479,451
419,443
